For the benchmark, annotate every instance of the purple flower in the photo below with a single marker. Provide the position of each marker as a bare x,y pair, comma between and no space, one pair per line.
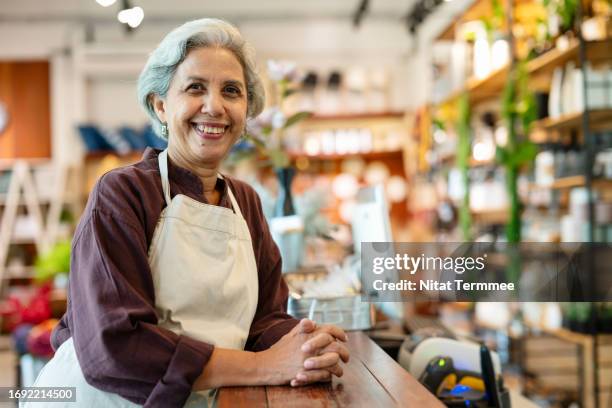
282,71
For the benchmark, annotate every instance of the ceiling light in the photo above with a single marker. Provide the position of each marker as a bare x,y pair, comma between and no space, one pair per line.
123,15
106,3
132,17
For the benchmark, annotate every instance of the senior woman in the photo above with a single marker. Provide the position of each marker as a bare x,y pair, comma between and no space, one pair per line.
175,282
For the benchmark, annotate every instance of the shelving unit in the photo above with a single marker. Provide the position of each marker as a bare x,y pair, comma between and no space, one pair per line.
596,52
572,182
381,126
490,217
475,11
539,70
599,119
481,89
358,116
44,211
577,351
591,365
381,155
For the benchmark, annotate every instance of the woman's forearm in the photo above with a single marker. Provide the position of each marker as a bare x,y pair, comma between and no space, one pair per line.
277,365
228,367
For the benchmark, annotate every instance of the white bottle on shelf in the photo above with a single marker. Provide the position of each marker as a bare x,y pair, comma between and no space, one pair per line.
597,88
578,90
545,168
609,86
567,89
554,99
482,58
500,53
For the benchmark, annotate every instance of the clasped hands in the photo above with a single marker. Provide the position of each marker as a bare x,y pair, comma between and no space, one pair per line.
309,354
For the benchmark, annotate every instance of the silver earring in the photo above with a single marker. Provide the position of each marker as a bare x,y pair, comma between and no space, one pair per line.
164,130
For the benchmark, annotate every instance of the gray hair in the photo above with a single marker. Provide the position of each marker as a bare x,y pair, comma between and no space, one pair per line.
159,70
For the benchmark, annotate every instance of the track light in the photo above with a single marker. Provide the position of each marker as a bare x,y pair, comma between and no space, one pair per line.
132,16
106,3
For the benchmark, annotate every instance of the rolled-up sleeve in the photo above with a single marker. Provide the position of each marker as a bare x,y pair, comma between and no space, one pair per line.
118,344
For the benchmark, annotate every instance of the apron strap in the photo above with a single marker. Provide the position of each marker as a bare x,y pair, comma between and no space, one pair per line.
163,170
232,198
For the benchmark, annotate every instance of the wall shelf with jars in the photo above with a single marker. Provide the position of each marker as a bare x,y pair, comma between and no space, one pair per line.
539,70
338,136
565,192
355,149
558,72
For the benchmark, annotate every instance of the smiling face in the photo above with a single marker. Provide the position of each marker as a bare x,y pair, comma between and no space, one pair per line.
205,107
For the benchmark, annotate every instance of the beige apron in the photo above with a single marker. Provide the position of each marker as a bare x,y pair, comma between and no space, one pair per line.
206,287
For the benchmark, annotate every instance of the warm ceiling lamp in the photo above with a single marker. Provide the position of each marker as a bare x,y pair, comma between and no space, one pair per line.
132,17
106,3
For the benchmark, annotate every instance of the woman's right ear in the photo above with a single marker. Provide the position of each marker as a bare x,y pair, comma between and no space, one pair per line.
159,106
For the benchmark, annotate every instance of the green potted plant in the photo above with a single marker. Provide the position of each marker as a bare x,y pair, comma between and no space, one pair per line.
52,263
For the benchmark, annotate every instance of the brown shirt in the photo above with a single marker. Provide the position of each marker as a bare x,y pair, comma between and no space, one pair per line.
111,312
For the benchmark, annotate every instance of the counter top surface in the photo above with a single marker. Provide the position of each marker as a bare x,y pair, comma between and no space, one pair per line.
371,379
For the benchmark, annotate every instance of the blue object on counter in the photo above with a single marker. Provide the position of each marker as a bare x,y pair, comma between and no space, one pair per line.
460,389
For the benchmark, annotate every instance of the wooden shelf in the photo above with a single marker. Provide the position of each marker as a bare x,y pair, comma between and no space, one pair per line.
589,373
7,164
553,58
480,163
542,66
477,10
99,154
371,155
481,89
572,182
568,335
490,216
597,118
43,227
451,159
358,116
568,182
41,200
596,52
19,272
24,241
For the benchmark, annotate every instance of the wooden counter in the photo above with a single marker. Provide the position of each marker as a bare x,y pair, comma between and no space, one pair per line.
371,379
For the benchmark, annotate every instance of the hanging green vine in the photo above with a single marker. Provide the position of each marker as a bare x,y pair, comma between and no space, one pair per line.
494,21
565,9
518,112
463,155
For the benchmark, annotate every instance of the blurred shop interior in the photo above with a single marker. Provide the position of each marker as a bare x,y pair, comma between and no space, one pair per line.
386,120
